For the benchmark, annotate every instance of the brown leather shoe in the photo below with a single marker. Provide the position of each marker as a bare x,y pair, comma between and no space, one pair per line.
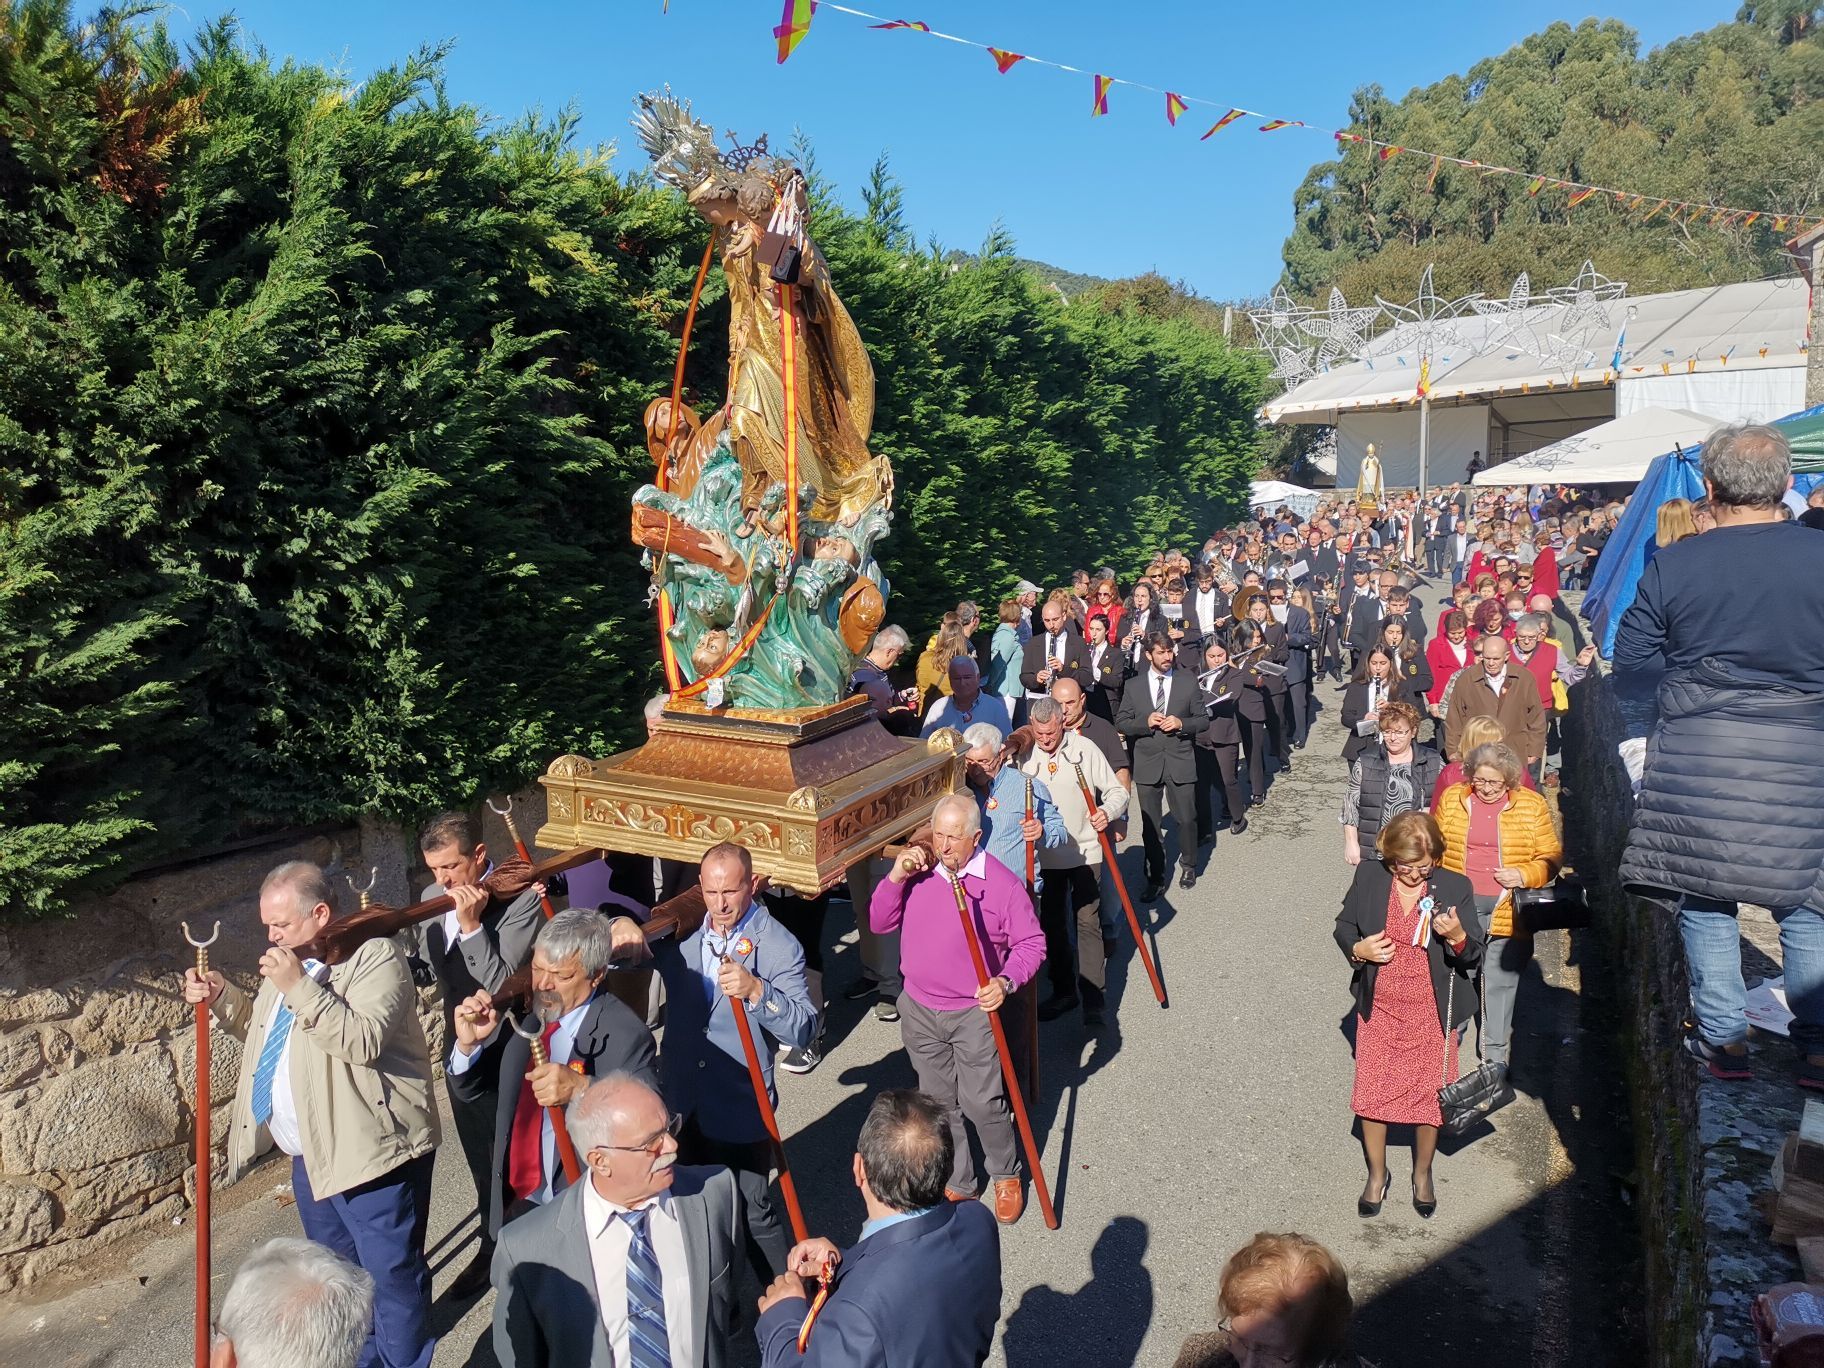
1009,1200
952,1195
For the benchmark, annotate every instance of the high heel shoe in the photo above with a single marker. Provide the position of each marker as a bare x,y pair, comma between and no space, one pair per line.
1425,1209
1365,1208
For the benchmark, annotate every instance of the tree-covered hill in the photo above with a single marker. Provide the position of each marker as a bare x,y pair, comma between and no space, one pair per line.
1732,116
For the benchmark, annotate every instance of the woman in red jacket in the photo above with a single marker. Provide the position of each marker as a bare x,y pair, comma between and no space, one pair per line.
1449,651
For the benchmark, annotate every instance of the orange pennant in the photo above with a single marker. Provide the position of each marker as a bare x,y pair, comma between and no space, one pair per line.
1389,151
1101,105
1174,106
1004,60
1223,123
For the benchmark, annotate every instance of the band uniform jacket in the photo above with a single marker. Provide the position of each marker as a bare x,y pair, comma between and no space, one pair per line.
1222,691
1278,653
1071,651
481,962
950,1254
360,1070
702,1063
1108,675
546,1312
1301,640
1355,708
1324,561
1140,626
1163,757
611,1038
1365,616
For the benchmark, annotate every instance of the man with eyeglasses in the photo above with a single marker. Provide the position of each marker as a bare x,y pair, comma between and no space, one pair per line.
1493,688
632,1267
739,960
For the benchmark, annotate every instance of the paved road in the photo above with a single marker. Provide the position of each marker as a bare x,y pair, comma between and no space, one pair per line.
1170,1139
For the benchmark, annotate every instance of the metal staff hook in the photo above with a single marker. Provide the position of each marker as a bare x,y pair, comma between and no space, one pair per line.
203,1336
506,816
560,1131
365,892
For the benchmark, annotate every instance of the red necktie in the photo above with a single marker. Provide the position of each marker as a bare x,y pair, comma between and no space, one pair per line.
526,1139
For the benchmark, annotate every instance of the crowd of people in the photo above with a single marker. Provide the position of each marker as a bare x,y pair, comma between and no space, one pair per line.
1182,696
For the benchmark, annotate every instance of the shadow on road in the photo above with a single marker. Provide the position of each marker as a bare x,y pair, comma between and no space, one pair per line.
1103,1321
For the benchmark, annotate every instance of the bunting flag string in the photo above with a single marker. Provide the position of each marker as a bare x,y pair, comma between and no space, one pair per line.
795,23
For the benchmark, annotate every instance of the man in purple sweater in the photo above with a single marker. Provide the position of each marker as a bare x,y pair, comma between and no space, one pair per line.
943,1013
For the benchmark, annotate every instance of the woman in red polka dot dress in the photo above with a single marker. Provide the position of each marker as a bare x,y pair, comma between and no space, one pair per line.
1404,927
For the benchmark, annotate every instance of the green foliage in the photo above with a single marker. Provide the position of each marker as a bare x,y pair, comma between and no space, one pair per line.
1733,116
320,409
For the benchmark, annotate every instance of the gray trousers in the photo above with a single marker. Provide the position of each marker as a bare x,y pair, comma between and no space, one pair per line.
879,951
1503,962
959,1068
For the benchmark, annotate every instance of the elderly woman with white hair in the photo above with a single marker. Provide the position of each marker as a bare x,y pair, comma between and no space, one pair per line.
1000,789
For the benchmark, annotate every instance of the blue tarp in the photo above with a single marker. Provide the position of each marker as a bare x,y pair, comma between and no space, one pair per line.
1624,556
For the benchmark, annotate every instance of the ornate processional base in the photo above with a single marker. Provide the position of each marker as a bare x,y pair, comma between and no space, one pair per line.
809,791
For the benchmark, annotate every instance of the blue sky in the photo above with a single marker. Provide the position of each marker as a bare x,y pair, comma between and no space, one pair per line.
1112,196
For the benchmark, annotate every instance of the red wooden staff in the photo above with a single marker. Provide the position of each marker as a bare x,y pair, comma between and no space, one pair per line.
202,1148
788,1189
1039,1189
1032,993
506,815
1127,906
560,1130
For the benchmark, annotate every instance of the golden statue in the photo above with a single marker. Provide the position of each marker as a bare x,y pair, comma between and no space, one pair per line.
1369,494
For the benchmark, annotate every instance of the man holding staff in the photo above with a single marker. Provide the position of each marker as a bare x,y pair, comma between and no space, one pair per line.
943,1012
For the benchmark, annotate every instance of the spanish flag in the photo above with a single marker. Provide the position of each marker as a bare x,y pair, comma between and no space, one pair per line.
1389,151
794,23
1004,60
1424,377
1101,105
1538,184
1222,123
1580,197
1274,125
1173,108
918,24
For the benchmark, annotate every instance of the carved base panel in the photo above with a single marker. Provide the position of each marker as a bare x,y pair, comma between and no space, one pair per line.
808,792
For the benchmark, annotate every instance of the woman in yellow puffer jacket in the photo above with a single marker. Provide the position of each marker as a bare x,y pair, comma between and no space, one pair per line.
1500,836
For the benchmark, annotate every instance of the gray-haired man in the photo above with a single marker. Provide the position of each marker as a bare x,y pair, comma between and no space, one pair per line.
588,1033
293,1303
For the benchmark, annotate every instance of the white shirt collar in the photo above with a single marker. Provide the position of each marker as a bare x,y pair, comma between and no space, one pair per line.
599,1213
977,868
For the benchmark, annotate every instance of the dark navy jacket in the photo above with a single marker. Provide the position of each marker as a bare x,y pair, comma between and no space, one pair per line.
925,1293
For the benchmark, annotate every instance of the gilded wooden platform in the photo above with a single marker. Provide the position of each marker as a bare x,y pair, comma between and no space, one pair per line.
808,791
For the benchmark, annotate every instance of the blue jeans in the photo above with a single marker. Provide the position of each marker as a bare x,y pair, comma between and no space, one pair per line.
380,1226
1713,958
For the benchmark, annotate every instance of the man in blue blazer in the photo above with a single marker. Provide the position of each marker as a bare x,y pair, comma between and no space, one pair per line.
922,1285
738,954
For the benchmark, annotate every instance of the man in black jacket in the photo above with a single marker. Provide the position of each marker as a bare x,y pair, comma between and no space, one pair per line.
1161,714
1054,653
1731,805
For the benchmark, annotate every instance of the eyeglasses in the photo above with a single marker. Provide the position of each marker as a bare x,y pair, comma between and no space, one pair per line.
1488,785
1104,594
672,1127
1276,598
1400,867
1256,1354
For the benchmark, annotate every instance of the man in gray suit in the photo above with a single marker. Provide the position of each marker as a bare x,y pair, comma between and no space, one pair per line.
632,1268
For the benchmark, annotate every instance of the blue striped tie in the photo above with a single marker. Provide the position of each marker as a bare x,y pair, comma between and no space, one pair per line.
647,1342
276,1036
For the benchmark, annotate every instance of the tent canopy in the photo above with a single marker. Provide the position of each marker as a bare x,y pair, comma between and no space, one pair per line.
1275,492
1612,452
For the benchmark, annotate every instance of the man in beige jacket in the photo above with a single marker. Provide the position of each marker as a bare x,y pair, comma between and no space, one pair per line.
336,1074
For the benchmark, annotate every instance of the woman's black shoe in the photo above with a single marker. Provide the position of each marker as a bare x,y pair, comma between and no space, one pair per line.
1365,1208
1239,825
1257,800
1425,1209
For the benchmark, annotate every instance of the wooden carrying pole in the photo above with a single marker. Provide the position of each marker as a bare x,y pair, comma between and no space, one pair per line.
787,1188
506,816
1039,1189
1032,992
1127,905
560,1130
202,1148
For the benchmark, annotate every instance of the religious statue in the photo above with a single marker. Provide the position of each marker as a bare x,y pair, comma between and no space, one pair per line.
776,622
1369,494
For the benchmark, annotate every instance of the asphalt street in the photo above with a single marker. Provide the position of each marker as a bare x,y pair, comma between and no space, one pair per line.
1170,1138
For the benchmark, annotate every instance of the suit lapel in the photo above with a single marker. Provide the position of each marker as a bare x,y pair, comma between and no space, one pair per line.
573,1260
693,1219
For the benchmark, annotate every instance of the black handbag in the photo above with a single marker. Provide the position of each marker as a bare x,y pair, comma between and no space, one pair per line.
1561,906
1474,1096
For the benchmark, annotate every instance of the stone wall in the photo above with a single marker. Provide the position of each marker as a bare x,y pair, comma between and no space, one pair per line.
97,1050
1703,1149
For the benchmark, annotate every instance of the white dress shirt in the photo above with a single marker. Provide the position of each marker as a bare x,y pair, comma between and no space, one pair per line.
283,1124
558,1050
1054,650
609,1241
1204,602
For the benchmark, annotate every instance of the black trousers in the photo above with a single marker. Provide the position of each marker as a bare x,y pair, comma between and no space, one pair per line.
803,917
752,1164
1276,725
1072,896
1218,765
1298,710
474,1118
1254,742
1153,798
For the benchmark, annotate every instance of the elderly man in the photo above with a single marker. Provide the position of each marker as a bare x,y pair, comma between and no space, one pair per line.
1001,791
1731,805
336,1074
588,1033
294,1303
943,1012
474,947
912,1238
1496,687
1026,594
633,1268
1071,896
1081,719
739,959
870,677
966,704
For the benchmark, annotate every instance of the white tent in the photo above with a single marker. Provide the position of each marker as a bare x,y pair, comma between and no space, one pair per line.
1276,492
1609,453
1614,452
